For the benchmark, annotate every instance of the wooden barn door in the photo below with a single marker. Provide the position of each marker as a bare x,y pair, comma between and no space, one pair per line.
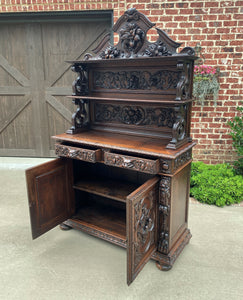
34,77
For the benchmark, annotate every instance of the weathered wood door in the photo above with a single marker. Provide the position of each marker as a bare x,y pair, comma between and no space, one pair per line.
34,78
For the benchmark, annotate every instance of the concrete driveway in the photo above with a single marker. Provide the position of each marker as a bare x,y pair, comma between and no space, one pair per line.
72,265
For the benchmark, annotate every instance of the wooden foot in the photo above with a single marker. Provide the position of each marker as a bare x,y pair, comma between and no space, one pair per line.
163,267
63,226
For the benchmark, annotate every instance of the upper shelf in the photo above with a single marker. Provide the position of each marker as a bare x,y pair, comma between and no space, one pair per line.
136,99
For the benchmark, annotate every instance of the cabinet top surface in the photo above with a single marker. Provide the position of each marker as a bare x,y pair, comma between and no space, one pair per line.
133,144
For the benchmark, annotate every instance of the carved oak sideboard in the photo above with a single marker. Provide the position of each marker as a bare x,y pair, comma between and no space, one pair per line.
123,170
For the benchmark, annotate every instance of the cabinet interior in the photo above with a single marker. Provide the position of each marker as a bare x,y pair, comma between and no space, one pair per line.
100,195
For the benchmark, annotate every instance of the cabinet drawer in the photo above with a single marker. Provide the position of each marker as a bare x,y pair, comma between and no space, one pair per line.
90,155
130,162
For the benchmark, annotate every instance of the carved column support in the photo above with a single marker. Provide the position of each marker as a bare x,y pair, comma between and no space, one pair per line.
80,119
80,85
164,214
179,127
183,90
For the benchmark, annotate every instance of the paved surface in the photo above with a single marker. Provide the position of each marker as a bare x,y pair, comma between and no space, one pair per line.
72,265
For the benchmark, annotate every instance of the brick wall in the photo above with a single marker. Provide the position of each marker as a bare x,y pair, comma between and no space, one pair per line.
217,25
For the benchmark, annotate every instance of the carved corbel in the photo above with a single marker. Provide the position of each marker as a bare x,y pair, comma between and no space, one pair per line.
80,85
179,128
182,90
80,119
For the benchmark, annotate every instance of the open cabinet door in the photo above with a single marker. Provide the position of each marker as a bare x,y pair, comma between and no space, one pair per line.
141,227
50,193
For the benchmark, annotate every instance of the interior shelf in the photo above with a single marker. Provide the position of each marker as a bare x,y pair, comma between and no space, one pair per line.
108,219
112,189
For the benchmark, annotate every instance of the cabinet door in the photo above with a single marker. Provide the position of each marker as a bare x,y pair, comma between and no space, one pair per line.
50,193
141,227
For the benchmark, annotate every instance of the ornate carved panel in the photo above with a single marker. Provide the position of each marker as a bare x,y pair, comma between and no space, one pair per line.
133,163
144,226
135,115
141,226
77,153
132,28
136,80
182,159
164,213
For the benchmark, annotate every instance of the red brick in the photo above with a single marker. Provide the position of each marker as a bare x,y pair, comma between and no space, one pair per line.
230,23
186,11
198,37
231,10
238,16
216,10
212,4
180,18
210,17
209,30
200,24
225,17
223,30
171,11
182,5
227,3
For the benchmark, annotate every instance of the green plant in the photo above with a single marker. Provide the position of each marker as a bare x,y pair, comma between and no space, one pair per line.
205,83
236,133
216,184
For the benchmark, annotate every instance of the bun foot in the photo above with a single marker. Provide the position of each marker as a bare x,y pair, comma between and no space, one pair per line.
163,267
64,227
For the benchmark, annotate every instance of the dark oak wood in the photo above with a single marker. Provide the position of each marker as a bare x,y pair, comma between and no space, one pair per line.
51,197
141,227
129,146
108,188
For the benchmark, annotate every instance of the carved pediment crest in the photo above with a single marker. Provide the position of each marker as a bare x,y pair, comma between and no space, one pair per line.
132,28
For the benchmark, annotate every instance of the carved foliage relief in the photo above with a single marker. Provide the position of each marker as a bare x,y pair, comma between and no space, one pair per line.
164,213
133,163
80,154
144,226
136,80
134,115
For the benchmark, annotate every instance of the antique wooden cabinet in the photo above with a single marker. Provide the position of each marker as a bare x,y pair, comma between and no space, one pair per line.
124,166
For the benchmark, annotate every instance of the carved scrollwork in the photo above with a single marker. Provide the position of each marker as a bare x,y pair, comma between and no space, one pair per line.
135,115
132,28
164,213
182,159
80,119
182,90
121,161
179,127
144,226
134,80
80,154
80,85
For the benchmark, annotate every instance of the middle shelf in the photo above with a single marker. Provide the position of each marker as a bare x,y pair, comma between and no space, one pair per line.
109,188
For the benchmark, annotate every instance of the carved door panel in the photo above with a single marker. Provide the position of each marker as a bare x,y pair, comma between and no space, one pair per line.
50,193
141,227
